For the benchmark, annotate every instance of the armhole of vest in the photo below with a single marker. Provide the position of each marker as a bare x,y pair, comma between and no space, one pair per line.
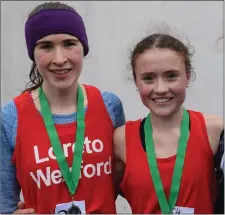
127,127
206,142
97,93
142,134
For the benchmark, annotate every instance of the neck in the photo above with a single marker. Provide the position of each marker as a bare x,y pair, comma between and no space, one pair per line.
167,123
61,101
62,98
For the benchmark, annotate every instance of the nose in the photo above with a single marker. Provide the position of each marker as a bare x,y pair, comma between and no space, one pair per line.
59,57
161,87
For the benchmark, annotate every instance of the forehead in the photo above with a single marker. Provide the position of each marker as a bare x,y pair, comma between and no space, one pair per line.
159,59
56,38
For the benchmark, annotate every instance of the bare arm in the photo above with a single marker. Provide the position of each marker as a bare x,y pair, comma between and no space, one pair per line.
214,126
120,156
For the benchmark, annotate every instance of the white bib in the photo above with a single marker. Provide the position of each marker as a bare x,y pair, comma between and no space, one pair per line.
183,210
64,207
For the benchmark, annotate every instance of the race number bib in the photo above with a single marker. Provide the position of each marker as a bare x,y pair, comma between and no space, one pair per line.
74,207
183,210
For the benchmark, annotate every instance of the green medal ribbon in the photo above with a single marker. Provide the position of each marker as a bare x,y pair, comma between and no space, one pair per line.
167,206
71,178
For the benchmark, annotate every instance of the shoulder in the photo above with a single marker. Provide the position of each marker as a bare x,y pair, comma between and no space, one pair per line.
213,122
9,122
8,112
114,107
214,126
111,98
108,97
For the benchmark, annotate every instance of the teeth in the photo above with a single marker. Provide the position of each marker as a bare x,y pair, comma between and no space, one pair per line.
60,72
162,100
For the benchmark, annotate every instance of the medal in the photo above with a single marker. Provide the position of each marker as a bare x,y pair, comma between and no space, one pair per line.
74,209
165,205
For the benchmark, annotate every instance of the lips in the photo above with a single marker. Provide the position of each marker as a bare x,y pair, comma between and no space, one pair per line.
60,71
162,100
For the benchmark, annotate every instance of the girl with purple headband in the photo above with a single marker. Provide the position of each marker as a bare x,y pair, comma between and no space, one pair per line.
56,142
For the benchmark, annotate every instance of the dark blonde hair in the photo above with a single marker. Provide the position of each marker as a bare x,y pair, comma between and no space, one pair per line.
159,40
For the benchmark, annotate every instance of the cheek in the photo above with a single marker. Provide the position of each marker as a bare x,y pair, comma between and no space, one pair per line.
144,89
179,87
76,54
42,60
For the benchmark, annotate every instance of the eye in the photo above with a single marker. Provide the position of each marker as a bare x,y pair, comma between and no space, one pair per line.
148,78
46,46
69,44
172,76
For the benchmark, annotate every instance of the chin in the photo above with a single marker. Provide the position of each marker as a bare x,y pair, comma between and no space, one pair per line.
63,85
165,111
162,113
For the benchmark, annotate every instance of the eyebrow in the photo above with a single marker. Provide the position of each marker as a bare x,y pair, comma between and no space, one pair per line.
172,70
44,42
167,71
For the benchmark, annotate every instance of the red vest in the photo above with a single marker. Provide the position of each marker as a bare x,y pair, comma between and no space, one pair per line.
197,179
38,172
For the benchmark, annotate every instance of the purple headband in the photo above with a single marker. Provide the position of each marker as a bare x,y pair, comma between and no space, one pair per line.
54,21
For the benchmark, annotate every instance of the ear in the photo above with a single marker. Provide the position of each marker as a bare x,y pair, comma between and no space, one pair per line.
135,81
188,77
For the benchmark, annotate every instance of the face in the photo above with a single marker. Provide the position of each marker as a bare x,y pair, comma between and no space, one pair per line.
59,59
161,79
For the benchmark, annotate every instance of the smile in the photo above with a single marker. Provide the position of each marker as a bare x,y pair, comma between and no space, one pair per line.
60,71
162,100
